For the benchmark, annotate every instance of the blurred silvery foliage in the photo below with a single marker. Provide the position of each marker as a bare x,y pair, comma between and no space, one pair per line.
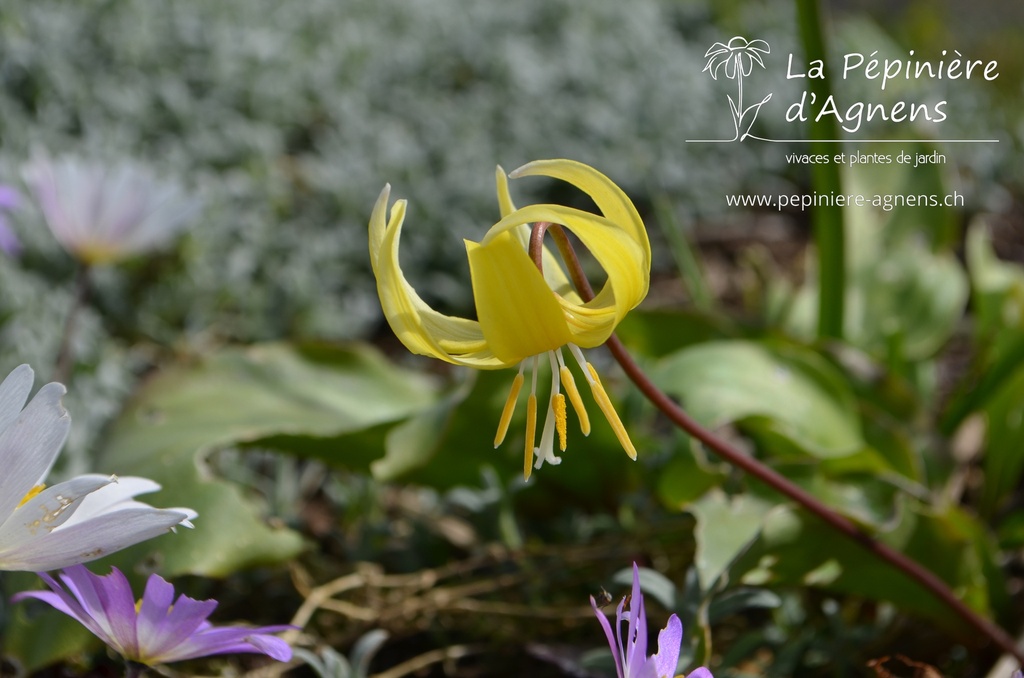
290,117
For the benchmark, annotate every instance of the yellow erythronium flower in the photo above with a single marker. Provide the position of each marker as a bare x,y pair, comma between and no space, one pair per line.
524,313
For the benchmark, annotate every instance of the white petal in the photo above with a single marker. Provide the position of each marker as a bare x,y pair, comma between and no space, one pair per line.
47,511
30,445
119,496
93,538
120,491
13,394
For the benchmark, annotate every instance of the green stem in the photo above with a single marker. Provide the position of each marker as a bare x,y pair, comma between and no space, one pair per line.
915,571
827,220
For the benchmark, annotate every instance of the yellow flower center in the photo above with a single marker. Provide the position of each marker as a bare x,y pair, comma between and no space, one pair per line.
555,418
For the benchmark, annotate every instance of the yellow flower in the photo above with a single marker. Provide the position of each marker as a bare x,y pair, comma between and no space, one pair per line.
525,313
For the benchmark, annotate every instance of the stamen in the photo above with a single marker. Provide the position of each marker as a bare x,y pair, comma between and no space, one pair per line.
558,405
545,452
574,398
609,412
510,406
531,432
31,493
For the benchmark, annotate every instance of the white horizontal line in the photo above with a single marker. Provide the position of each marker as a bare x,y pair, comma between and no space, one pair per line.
850,141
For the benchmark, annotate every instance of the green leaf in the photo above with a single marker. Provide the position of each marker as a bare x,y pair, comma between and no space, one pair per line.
652,583
797,393
726,527
795,549
907,302
35,634
906,291
998,302
1004,443
866,498
684,480
658,333
271,392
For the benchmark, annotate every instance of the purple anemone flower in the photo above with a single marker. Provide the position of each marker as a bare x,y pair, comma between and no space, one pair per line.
156,630
631,659
10,199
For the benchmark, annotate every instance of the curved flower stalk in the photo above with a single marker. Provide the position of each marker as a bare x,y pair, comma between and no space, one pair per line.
46,528
630,651
9,200
102,214
157,629
736,59
526,315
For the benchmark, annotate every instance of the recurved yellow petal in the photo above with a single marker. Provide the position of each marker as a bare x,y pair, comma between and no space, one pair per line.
519,314
608,197
419,327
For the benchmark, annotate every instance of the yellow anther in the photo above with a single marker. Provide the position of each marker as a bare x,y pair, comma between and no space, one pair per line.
558,406
531,432
31,493
609,412
574,398
510,407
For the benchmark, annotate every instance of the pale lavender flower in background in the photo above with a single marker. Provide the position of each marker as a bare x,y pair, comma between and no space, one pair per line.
156,630
104,213
9,200
46,528
630,652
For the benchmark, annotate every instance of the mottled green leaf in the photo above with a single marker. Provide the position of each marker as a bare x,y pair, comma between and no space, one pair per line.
797,394
725,529
245,395
795,549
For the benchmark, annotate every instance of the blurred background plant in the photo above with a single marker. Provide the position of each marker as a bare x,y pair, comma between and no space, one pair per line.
245,369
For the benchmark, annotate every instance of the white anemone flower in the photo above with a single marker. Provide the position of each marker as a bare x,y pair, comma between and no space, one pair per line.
46,528
103,213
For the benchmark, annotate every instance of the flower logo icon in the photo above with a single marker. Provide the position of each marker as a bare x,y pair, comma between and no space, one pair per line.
736,60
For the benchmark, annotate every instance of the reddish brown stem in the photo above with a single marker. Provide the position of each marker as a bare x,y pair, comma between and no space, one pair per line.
537,242
765,474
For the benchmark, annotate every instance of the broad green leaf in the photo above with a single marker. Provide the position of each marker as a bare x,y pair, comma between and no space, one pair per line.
725,529
795,392
652,583
272,392
1004,442
998,303
684,480
411,444
795,549
658,333
866,498
906,303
